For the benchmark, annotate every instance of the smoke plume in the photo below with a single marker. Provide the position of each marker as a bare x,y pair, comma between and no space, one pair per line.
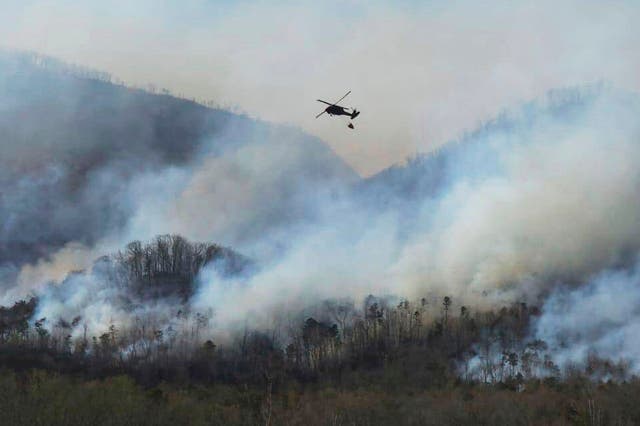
534,206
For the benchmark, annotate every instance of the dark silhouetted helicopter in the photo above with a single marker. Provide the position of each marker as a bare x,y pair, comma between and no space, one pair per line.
335,109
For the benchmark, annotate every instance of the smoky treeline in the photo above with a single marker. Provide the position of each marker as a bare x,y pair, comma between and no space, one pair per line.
430,361
170,262
427,343
163,270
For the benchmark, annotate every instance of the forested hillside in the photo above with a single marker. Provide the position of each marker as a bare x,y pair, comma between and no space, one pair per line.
431,361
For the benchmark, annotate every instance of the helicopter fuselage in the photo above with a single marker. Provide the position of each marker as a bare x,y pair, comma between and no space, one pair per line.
336,110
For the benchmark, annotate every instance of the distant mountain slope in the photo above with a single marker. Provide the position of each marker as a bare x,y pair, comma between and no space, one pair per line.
71,147
476,154
44,111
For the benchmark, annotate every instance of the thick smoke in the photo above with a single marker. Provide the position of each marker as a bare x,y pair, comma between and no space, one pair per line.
544,194
600,319
251,195
560,203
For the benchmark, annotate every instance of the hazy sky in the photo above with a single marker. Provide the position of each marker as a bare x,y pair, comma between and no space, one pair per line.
421,72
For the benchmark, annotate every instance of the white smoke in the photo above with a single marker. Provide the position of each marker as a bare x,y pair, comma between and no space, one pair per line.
243,196
563,203
601,318
558,203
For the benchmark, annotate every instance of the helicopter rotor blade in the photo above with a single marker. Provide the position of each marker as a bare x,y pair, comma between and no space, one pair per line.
324,102
321,113
336,103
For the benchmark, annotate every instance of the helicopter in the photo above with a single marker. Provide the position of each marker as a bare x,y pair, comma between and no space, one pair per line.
335,109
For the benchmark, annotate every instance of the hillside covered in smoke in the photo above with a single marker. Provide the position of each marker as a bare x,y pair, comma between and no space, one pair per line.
536,212
81,157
